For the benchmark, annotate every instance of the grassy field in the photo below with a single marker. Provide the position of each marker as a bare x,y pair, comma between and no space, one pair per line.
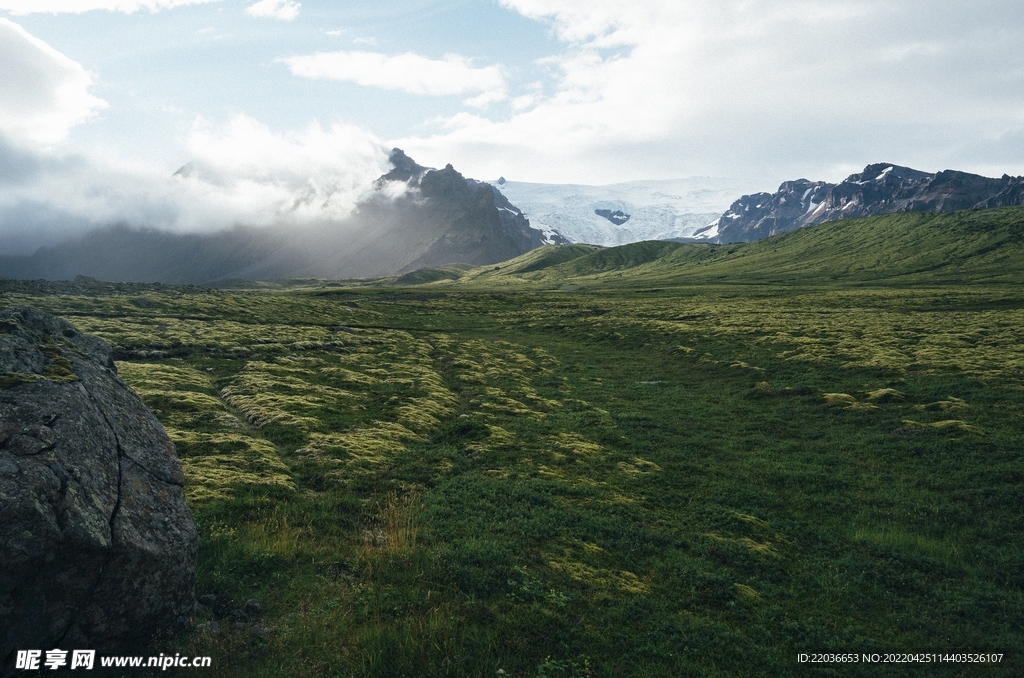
702,468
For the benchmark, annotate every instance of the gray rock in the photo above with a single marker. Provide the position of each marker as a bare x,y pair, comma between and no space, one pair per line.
222,605
98,545
253,606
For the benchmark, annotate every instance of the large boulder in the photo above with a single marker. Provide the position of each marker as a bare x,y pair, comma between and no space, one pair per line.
97,545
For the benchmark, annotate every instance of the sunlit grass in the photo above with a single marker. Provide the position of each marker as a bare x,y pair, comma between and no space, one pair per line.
653,481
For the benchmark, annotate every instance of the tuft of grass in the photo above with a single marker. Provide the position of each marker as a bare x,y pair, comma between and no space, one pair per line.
747,592
885,395
395,529
12,379
950,404
908,542
945,425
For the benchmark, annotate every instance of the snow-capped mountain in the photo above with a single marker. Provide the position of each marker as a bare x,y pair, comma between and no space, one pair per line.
880,189
617,214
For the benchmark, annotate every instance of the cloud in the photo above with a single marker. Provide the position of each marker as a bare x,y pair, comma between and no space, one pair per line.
262,177
242,173
285,10
757,88
45,93
21,7
412,73
483,101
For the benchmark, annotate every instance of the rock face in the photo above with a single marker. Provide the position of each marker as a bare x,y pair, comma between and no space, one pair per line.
517,227
447,185
97,545
880,189
617,217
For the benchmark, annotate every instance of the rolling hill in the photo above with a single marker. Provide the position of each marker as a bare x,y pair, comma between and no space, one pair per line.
914,248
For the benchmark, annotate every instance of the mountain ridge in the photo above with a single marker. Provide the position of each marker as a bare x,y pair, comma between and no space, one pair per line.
881,188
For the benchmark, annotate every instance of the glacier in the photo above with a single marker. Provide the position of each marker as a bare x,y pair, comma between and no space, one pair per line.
659,209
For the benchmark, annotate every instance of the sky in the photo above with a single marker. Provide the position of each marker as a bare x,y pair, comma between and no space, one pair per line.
287,109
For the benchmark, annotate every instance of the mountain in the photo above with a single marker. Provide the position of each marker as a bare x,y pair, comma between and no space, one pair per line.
616,214
881,188
417,217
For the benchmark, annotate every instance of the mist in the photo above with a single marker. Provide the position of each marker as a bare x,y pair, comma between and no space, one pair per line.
240,174
416,220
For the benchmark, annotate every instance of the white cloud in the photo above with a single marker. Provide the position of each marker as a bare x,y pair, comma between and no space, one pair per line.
45,93
483,101
264,177
285,10
412,73
365,41
20,7
576,22
242,173
762,88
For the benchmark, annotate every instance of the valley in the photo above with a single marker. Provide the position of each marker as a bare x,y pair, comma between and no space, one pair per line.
650,460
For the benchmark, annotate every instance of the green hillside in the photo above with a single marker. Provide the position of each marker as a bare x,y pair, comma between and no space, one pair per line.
907,248
545,257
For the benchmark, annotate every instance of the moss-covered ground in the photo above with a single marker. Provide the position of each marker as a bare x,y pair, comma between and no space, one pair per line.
688,480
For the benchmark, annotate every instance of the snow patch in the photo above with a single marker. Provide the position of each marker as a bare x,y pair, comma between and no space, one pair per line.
712,232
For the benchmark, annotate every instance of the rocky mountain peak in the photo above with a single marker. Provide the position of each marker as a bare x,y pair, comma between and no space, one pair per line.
449,185
880,188
404,169
885,171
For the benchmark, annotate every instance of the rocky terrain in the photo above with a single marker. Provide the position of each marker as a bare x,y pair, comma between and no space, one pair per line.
880,189
99,547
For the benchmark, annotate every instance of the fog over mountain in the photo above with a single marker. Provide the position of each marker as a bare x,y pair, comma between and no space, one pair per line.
240,173
411,217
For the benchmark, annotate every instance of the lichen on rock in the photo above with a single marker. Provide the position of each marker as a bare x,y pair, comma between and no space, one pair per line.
99,547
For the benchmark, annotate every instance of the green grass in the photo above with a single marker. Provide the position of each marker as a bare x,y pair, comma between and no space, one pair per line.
909,248
652,475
